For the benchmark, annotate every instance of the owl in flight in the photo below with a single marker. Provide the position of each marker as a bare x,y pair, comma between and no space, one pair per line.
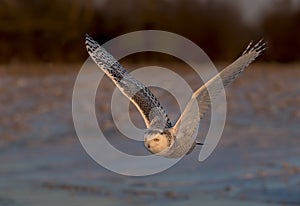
161,137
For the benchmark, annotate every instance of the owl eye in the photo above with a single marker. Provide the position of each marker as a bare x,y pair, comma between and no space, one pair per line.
156,139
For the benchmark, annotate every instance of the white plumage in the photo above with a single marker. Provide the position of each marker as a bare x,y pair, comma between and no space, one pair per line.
161,137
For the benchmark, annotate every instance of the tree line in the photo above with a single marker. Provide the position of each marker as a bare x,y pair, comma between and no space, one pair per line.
53,30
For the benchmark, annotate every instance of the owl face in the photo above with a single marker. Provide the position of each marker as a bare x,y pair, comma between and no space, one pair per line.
157,141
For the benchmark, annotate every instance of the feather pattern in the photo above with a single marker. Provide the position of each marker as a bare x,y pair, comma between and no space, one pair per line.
151,110
160,137
188,122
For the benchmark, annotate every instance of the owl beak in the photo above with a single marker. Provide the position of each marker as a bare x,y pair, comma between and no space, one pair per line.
147,145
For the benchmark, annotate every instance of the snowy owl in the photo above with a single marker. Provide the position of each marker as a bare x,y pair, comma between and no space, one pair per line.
161,137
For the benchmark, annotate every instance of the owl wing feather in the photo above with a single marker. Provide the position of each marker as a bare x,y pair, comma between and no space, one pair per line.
147,104
202,98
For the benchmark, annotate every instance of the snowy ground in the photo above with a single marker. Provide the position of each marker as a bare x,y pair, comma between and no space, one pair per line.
42,162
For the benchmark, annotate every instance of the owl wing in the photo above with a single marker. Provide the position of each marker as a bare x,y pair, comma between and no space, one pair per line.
201,100
147,104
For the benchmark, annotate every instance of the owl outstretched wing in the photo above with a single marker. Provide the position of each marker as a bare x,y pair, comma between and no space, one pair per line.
147,104
202,98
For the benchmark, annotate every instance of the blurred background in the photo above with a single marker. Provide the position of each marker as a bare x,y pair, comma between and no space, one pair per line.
42,49
53,31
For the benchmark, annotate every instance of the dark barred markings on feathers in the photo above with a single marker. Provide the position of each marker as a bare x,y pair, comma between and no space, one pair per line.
148,104
143,98
161,137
